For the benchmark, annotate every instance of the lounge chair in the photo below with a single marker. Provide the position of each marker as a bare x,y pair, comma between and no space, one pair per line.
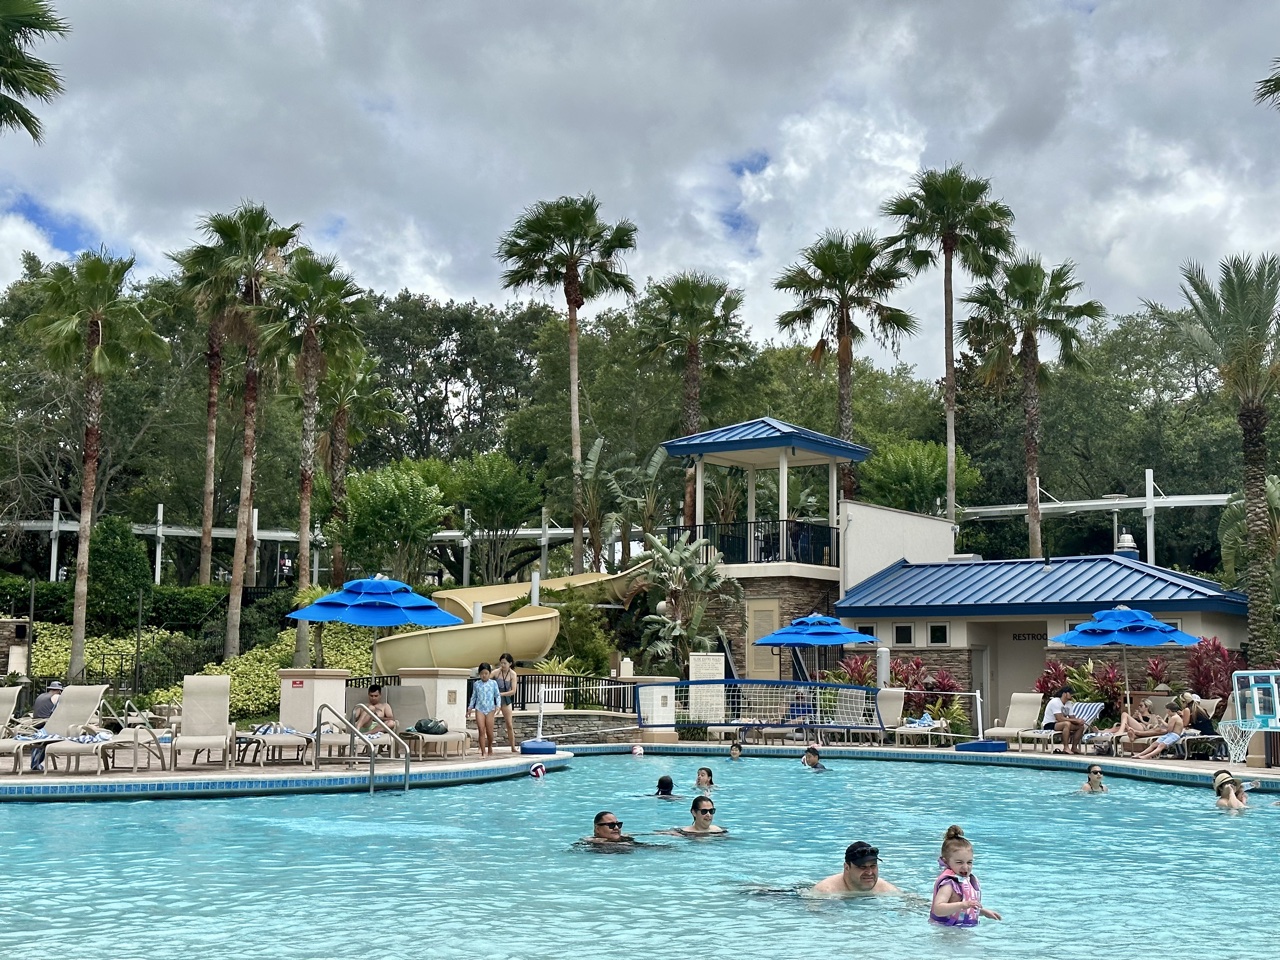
8,703
927,728
77,707
1023,715
1086,710
206,720
1194,739
270,741
412,705
889,705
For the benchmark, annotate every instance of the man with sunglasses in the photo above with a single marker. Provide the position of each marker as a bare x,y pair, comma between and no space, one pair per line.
860,876
608,829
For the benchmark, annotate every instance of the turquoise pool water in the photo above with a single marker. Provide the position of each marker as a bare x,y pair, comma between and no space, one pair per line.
490,871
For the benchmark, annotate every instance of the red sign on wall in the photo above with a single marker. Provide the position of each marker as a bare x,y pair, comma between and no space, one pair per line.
297,684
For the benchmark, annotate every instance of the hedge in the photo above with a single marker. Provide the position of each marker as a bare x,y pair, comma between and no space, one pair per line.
51,651
53,600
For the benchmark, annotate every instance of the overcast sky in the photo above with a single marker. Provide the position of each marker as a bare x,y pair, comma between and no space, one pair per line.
407,136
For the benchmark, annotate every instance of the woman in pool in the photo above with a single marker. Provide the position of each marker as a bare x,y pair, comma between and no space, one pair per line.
665,787
705,783
1094,784
957,896
506,679
703,809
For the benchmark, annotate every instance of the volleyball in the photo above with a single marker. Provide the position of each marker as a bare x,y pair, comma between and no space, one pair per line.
637,751
537,771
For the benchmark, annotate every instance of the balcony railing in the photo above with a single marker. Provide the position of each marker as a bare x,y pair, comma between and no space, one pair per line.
767,541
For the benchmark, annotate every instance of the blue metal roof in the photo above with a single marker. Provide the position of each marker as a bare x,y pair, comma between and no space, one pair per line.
1066,585
762,434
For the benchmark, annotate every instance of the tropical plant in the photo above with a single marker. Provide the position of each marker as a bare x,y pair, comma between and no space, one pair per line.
1233,536
860,669
640,496
22,76
951,213
1267,90
838,276
501,496
951,712
1235,327
581,637
1210,666
689,586
696,328
726,494
912,475
1011,316
1052,679
563,244
913,676
243,251
89,325
311,318
1157,672
562,666
596,516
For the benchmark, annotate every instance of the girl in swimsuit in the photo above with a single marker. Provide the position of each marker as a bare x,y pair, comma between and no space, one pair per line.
957,896
506,677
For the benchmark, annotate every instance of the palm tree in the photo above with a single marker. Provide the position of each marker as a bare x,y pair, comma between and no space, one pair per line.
563,244
22,76
1235,327
950,212
243,250
88,324
352,400
838,275
1268,91
641,497
312,318
1012,314
1233,535
696,328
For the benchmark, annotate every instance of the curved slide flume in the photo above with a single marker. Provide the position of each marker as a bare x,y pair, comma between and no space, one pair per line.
527,634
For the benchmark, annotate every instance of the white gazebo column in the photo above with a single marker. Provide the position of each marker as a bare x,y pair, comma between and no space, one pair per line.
751,494
833,479
700,500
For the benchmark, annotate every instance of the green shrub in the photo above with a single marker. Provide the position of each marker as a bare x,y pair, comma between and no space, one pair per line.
186,608
118,571
53,600
262,622
51,651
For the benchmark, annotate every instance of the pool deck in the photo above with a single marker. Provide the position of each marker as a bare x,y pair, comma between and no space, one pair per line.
211,780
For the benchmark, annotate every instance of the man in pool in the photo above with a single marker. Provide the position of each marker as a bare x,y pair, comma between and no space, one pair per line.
860,876
607,828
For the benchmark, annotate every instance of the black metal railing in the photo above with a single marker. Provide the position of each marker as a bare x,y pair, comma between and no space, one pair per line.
767,541
387,680
576,693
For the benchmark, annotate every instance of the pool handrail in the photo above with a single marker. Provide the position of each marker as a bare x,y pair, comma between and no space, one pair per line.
355,732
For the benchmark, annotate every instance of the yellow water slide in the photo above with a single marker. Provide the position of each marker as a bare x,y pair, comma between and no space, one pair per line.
527,634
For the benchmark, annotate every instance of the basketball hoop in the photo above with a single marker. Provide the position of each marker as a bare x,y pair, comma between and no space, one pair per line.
1237,734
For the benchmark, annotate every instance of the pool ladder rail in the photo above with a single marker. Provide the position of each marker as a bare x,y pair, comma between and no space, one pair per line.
355,733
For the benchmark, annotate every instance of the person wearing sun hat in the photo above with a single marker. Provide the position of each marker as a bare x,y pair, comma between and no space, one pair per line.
42,709
1224,786
860,876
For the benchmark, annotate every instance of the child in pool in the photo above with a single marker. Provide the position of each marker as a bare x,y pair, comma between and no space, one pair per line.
705,783
957,896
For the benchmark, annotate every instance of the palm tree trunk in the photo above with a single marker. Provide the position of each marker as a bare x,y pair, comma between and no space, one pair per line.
341,453
1030,357
214,359
88,483
949,374
844,397
1253,427
692,417
310,403
573,300
231,646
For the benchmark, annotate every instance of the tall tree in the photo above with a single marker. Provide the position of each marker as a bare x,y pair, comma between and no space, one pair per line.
563,244
1267,90
1235,326
22,76
312,319
837,276
242,250
89,324
695,327
1011,315
950,212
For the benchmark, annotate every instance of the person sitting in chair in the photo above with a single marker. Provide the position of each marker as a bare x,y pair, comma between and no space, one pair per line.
1057,716
364,723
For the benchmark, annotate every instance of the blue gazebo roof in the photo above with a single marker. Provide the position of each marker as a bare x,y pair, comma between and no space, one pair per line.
755,442
1063,585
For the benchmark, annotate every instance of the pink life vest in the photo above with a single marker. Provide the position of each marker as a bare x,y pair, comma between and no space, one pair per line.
968,889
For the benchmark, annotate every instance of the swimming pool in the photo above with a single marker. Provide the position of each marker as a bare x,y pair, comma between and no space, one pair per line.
488,870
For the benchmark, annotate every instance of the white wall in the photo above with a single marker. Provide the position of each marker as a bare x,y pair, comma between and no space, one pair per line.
873,537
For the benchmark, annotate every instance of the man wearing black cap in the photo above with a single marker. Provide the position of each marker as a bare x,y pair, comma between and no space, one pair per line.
861,874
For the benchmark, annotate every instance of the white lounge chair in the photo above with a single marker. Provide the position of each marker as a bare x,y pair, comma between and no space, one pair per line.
1023,715
77,707
206,720
917,728
8,703
1086,710
889,704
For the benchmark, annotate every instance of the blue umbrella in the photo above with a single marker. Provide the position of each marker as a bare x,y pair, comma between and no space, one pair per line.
1124,628
377,602
814,631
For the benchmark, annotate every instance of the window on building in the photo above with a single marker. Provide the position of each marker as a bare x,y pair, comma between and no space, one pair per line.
939,634
867,629
904,635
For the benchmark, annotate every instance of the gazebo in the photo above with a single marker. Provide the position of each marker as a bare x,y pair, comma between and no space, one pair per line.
768,444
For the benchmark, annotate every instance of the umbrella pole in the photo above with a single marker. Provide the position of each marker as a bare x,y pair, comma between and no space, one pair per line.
373,657
1128,697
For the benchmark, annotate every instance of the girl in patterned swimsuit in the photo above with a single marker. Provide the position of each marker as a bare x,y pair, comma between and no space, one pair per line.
957,896
484,704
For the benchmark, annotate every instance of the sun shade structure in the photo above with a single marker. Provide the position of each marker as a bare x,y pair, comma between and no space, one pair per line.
1124,628
756,443
813,631
375,602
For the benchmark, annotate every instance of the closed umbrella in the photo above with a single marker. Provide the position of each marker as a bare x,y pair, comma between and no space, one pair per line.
377,602
1124,628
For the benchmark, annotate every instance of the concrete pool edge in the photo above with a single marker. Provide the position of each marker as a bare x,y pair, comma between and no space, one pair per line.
254,782
1152,771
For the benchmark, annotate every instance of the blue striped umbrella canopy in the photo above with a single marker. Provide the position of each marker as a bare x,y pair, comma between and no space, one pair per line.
375,602
814,631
